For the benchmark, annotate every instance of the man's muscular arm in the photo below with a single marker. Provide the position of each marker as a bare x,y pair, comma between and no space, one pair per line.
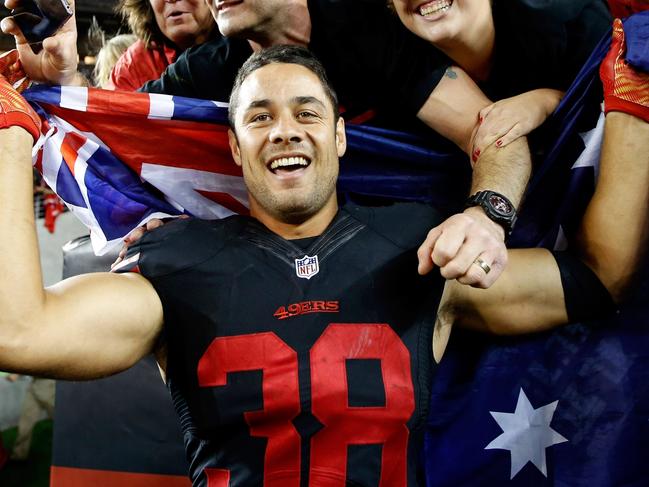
85,327
452,110
527,298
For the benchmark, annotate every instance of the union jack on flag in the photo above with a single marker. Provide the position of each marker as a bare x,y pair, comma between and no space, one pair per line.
120,159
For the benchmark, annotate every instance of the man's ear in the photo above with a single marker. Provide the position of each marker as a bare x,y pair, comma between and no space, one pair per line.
341,137
234,147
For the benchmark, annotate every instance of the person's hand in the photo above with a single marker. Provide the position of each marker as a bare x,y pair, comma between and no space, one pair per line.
468,247
13,377
137,233
508,119
57,61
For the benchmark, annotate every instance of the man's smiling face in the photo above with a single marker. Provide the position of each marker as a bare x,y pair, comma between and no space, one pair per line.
288,141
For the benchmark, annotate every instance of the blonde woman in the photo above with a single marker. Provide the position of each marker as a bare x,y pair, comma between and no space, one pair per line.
108,55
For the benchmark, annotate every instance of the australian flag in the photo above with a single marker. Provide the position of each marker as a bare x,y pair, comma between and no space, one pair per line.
564,408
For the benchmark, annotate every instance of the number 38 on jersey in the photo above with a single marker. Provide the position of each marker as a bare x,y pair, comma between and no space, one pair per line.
343,424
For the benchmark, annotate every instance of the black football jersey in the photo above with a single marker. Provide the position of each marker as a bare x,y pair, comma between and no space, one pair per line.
298,363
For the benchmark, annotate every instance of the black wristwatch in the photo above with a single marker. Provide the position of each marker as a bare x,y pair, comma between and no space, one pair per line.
496,206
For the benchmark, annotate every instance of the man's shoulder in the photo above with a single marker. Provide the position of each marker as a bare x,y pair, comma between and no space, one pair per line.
219,53
404,224
180,245
205,71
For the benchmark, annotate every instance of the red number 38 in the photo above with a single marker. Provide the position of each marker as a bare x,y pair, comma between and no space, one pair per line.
343,425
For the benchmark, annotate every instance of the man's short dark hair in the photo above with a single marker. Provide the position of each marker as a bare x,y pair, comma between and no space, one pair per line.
284,54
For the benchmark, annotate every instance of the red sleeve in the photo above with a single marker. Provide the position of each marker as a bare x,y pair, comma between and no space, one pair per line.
137,66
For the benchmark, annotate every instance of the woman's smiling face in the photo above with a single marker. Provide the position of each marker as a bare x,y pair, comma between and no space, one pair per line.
440,21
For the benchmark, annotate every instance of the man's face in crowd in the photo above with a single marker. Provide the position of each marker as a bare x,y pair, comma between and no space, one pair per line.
287,142
246,18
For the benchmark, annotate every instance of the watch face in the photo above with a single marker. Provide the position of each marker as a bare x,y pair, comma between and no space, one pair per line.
500,205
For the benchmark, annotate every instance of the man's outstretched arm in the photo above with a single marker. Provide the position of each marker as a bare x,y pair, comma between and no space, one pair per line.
452,110
85,327
527,298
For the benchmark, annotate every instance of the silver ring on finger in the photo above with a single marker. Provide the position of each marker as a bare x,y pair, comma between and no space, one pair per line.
483,265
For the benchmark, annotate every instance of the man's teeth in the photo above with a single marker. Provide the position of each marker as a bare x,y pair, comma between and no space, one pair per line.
435,7
288,161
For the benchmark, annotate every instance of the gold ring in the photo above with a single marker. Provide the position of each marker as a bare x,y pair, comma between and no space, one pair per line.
483,265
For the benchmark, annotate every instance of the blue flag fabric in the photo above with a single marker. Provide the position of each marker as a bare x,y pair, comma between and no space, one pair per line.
586,417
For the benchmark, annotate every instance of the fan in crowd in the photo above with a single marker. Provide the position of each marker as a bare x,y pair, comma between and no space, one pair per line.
164,29
110,52
549,42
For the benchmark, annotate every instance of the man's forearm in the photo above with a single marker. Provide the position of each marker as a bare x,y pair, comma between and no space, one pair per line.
613,235
505,170
527,298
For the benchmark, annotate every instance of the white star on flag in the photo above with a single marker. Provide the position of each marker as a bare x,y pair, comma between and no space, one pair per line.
526,434
592,147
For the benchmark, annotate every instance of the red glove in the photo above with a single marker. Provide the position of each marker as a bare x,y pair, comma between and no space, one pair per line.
14,110
625,89
624,8
12,70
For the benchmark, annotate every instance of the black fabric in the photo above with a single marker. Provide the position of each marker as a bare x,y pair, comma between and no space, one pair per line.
371,59
585,296
206,71
226,280
543,43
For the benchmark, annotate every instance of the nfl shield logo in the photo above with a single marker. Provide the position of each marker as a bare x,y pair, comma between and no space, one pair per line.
307,267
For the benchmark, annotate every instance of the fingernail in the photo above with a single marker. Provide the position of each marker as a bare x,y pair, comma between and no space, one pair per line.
499,143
